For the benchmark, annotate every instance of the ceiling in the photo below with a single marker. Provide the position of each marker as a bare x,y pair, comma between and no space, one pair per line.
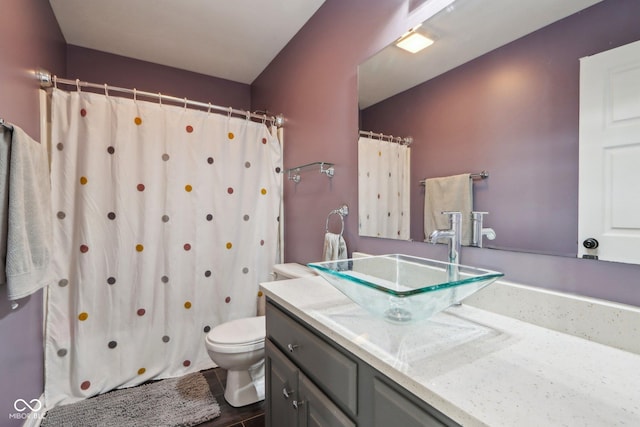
232,39
237,39
462,32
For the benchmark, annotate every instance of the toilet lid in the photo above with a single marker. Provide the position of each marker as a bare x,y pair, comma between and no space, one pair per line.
244,331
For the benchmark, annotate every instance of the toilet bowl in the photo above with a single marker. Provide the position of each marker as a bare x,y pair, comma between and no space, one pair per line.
238,347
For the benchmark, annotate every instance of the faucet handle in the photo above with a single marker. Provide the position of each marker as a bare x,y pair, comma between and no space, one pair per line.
455,217
478,215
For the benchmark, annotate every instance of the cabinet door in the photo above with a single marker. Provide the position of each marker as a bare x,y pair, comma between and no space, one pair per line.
316,410
393,409
282,384
335,373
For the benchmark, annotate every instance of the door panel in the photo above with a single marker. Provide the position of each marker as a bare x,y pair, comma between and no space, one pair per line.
609,195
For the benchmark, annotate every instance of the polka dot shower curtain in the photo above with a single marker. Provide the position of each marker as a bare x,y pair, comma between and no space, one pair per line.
166,220
384,170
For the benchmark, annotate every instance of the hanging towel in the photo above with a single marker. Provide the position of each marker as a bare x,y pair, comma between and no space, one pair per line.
25,214
452,193
334,247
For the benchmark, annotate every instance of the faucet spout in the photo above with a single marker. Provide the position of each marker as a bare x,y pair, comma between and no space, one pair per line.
489,233
478,231
440,234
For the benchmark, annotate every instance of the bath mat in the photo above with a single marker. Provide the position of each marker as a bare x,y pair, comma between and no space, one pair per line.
184,401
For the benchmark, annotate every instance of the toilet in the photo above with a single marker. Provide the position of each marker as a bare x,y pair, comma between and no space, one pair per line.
238,347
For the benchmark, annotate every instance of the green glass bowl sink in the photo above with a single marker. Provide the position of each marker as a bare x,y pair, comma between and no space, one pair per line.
404,288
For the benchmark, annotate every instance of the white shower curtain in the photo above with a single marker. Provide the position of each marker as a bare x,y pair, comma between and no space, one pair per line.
384,170
165,221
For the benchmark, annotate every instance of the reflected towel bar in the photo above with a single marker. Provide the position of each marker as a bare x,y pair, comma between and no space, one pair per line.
481,175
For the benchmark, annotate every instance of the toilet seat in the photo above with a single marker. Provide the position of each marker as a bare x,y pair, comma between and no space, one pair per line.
237,336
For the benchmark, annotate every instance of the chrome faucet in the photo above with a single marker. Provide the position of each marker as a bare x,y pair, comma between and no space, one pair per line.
453,236
477,231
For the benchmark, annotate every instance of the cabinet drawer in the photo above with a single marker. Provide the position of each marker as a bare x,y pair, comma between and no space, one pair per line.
332,371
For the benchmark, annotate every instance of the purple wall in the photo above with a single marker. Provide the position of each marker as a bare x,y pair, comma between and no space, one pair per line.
313,83
101,67
513,112
29,38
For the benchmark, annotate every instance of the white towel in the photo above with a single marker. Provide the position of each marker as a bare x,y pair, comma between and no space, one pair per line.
334,247
25,215
452,193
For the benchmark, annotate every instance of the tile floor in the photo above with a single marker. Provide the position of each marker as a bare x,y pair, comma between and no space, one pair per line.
247,416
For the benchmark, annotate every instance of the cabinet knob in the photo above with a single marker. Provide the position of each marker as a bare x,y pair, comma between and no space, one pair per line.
292,347
286,392
297,403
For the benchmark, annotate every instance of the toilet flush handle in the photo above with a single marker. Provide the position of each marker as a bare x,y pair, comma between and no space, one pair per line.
292,347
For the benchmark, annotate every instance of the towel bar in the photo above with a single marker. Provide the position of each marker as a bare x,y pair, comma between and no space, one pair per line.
481,175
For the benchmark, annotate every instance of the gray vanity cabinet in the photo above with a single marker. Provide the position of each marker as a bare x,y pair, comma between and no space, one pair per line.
312,381
293,399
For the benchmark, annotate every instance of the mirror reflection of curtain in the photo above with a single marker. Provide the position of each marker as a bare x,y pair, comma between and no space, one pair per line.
383,188
165,222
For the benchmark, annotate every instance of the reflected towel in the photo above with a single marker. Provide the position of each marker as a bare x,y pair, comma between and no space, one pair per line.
452,193
334,247
25,214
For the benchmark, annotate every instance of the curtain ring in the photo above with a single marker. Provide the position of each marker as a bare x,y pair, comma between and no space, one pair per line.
264,119
209,110
230,112
106,90
135,95
78,85
160,98
185,103
248,115
55,81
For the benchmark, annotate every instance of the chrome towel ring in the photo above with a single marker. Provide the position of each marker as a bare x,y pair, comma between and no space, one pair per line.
342,212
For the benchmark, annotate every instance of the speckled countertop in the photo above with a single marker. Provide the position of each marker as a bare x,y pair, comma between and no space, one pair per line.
478,367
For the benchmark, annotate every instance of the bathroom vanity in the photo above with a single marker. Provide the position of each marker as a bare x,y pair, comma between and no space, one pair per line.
331,363
312,381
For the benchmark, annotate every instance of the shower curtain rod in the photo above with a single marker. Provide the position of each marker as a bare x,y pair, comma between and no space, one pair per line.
406,141
46,81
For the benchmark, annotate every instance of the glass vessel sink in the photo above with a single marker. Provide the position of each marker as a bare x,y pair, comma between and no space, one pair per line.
403,288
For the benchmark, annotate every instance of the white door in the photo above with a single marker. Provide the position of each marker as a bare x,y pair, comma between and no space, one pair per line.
609,197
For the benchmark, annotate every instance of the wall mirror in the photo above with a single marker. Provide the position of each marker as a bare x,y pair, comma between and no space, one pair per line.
498,90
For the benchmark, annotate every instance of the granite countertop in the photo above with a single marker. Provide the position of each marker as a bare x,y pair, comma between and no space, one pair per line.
478,367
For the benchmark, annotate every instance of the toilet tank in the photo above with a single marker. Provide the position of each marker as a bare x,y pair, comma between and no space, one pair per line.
290,270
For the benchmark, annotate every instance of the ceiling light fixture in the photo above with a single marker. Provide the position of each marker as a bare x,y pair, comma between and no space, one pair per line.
414,42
